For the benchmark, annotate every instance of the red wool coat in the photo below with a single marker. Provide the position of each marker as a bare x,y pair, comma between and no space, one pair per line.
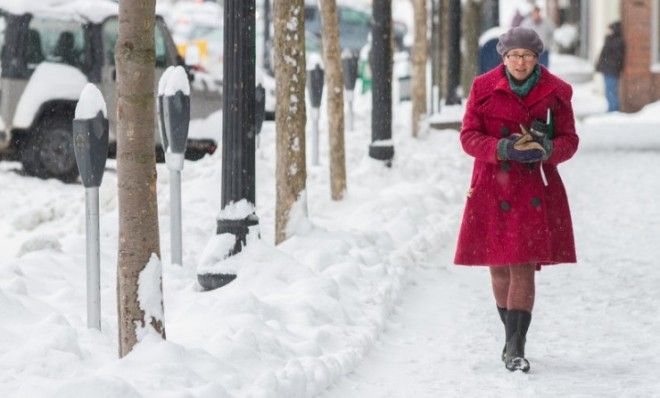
510,216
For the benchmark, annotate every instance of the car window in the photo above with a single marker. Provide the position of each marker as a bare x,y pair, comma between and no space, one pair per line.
111,33
161,49
354,28
55,40
349,16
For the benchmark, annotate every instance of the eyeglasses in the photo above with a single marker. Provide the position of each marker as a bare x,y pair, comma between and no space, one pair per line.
524,57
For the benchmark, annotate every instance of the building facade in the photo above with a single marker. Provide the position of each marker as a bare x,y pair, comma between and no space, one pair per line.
640,82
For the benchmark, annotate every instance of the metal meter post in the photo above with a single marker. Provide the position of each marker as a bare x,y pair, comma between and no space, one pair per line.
176,120
350,70
315,88
90,145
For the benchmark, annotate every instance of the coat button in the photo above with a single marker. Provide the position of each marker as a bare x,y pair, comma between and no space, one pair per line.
505,206
531,166
504,131
505,166
536,202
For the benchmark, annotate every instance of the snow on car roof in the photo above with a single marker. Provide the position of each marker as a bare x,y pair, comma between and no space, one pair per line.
95,11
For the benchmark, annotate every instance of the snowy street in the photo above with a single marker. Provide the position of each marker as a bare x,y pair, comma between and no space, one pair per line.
364,301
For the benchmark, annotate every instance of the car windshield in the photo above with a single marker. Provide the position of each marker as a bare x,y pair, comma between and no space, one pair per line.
55,40
354,26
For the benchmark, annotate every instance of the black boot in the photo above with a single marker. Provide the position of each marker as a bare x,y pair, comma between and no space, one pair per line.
502,312
517,323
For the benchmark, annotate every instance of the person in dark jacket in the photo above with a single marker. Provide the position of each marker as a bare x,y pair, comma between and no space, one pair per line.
516,216
610,64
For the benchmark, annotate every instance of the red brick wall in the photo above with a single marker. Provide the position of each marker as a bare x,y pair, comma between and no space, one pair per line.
638,85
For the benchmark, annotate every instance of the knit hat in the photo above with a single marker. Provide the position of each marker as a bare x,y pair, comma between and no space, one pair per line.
520,38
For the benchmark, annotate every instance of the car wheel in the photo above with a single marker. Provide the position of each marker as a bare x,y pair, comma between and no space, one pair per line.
29,154
49,151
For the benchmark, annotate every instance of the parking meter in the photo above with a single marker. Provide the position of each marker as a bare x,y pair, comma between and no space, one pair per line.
90,136
259,107
161,112
176,116
315,85
315,88
349,65
90,146
176,120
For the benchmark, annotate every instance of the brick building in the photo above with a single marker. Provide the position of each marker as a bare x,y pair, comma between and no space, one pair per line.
640,82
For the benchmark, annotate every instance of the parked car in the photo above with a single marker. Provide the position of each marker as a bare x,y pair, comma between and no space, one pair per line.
354,24
355,35
49,51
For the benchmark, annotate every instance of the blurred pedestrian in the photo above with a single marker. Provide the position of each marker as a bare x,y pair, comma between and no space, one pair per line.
516,217
544,28
610,64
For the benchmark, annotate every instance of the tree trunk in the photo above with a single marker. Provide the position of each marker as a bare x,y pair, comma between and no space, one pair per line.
334,81
471,27
552,11
435,56
136,175
443,46
290,113
419,53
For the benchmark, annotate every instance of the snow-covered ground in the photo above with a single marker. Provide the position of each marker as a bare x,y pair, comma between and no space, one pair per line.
364,301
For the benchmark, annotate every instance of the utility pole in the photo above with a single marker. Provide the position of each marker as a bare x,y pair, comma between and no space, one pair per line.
238,214
454,52
381,147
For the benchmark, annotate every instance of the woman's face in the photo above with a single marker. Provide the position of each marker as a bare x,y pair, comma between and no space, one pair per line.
520,63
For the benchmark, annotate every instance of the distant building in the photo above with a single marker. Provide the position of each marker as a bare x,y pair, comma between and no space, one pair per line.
640,82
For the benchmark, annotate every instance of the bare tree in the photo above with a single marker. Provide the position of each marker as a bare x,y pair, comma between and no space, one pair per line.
138,264
334,80
419,54
290,113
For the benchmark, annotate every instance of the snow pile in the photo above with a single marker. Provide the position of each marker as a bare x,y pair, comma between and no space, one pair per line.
297,318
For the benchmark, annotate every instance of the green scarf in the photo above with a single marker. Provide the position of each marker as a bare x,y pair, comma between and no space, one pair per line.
524,89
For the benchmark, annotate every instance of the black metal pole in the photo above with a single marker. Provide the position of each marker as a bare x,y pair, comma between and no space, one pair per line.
454,52
238,128
381,147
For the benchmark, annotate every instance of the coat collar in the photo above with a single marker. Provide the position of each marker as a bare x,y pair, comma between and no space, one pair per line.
544,87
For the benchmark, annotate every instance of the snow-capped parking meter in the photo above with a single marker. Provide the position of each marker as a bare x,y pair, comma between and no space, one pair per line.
315,88
161,113
349,63
176,120
90,136
176,116
90,146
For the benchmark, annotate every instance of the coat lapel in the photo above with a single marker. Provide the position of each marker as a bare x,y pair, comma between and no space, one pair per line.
542,89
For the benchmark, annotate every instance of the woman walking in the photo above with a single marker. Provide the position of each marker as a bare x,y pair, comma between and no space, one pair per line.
518,126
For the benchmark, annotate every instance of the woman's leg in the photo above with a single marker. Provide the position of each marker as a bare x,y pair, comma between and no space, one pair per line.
518,316
521,289
499,277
